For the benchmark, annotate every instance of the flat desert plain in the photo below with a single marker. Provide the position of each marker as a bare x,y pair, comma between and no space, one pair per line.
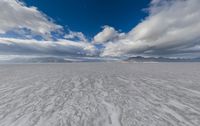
100,94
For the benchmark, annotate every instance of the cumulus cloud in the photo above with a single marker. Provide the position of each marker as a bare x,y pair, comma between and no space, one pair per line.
172,27
62,47
14,15
108,34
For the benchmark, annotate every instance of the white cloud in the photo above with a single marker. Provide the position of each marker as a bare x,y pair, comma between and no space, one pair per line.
14,15
108,34
172,27
155,1
73,35
62,47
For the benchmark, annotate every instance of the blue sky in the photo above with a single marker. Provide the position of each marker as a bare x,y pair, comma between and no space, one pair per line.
100,28
88,16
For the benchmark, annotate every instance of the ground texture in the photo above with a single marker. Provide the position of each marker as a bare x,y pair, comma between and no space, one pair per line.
100,94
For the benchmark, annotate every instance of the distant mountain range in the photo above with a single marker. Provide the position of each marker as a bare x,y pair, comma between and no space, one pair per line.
54,60
37,60
160,59
93,59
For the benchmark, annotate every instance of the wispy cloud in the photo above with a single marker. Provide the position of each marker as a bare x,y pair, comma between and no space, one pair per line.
75,35
15,16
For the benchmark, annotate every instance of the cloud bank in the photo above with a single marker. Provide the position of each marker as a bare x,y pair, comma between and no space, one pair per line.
172,27
62,47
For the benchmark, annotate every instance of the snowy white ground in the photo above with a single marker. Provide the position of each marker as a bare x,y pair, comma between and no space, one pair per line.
100,94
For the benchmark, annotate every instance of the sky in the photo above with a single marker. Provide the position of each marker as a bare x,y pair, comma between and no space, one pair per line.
88,16
100,28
